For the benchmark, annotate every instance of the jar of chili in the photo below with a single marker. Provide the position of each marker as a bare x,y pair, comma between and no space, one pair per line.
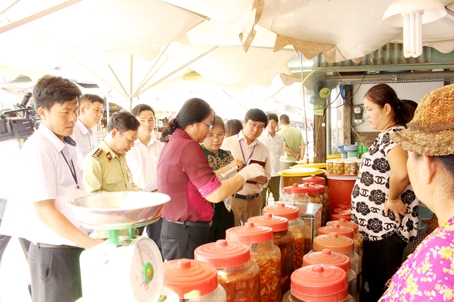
237,273
319,282
340,244
284,239
193,280
295,225
265,253
339,260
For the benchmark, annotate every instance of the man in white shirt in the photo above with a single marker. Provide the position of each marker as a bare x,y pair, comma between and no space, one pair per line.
275,144
247,202
143,158
91,109
46,177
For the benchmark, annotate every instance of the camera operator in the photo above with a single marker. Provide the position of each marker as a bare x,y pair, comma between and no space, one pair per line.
46,177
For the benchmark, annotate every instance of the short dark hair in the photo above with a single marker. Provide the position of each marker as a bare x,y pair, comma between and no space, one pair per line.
142,107
284,119
123,121
218,122
233,127
257,115
90,99
51,89
272,116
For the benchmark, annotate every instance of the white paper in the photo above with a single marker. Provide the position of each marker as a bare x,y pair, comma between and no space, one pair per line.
151,186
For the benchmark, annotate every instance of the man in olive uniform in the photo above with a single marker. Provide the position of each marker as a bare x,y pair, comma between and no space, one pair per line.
105,168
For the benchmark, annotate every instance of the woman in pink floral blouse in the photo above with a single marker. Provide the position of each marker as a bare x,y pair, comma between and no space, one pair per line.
428,274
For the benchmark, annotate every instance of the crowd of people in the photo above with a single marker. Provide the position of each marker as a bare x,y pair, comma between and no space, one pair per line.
219,174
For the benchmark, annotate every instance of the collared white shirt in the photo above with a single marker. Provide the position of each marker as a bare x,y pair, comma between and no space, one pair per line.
143,161
256,150
275,145
84,141
41,174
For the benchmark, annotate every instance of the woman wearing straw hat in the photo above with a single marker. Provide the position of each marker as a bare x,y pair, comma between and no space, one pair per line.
383,203
428,274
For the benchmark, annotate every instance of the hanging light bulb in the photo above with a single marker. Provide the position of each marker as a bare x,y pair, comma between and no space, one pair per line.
411,14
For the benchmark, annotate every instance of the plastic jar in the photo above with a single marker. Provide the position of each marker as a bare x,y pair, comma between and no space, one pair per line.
319,282
339,260
295,193
284,239
237,273
193,280
295,225
329,166
340,244
350,166
338,167
265,253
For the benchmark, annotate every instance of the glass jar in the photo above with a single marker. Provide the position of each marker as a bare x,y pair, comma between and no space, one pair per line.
295,225
237,273
319,282
192,281
265,253
295,193
338,167
339,260
357,238
323,192
284,239
340,244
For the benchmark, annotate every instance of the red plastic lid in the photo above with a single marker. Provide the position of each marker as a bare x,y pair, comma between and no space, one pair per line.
223,253
339,216
336,228
319,282
282,210
334,242
278,224
344,205
313,189
345,223
315,179
249,233
327,257
190,278
295,189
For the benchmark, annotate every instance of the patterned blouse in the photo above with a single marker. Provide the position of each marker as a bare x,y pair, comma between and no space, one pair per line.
428,273
217,161
370,193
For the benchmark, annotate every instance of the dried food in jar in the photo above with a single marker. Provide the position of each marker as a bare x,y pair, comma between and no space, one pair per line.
270,275
285,240
241,285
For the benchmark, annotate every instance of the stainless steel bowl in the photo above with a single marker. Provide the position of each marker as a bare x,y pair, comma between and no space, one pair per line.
118,210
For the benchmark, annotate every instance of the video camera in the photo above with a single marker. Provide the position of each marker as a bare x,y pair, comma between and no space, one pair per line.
18,123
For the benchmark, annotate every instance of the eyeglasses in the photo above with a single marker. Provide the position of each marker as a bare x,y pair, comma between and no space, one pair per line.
208,124
254,125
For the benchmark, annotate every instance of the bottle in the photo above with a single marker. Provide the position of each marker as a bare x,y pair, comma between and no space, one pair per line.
270,200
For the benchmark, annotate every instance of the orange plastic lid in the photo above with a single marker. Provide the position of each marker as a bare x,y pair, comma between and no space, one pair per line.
336,228
278,224
319,282
313,189
334,242
190,278
282,210
295,189
339,216
315,179
223,253
327,257
249,233
345,223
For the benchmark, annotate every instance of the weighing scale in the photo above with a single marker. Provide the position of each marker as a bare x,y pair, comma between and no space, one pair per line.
127,267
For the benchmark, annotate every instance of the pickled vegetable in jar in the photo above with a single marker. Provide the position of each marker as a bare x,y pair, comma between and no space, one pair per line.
295,225
319,282
295,193
237,273
265,253
284,239
338,167
350,167
329,166
193,280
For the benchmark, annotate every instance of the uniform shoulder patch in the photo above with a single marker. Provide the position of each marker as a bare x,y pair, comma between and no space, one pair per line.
97,153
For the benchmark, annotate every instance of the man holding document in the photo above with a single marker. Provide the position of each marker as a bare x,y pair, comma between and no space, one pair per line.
247,202
47,176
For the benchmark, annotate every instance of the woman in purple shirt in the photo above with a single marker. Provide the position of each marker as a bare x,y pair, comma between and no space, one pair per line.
185,175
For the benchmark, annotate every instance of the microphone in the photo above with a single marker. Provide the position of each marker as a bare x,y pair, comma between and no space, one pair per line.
25,99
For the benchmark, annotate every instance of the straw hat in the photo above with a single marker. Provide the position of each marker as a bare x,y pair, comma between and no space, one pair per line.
431,131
